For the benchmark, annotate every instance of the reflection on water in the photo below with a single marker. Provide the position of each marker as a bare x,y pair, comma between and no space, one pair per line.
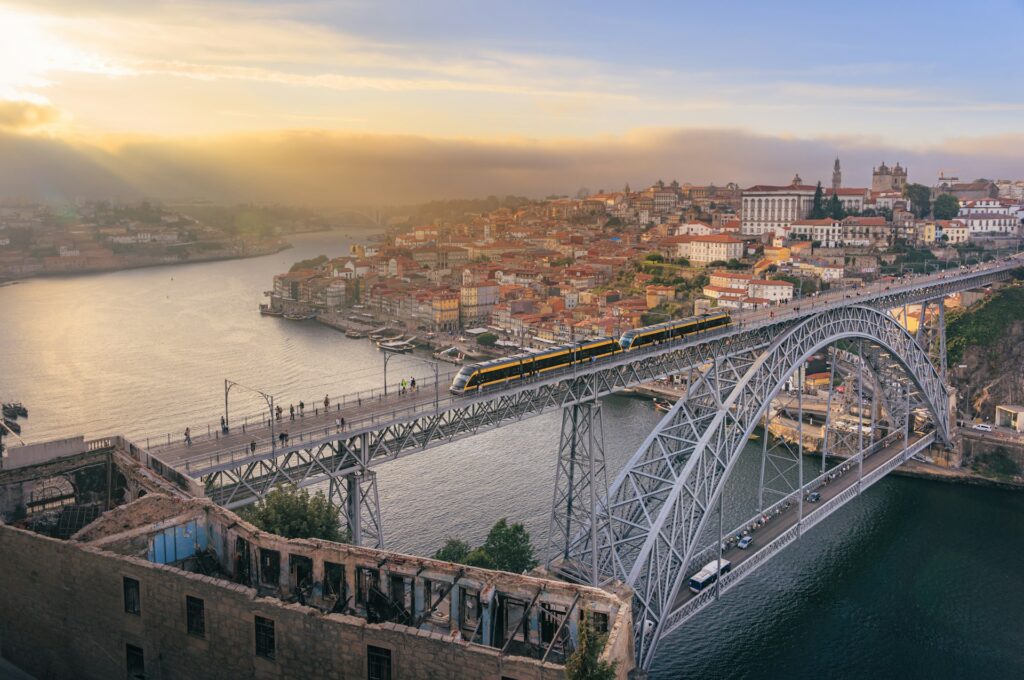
913,580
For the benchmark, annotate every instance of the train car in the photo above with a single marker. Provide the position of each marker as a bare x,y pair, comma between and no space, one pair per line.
519,366
477,376
671,330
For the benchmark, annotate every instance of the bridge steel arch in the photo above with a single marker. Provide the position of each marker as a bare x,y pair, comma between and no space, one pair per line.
659,504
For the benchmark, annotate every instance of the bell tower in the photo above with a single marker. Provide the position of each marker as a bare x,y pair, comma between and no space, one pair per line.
837,176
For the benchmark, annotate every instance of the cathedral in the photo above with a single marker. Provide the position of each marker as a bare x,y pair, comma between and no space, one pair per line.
884,178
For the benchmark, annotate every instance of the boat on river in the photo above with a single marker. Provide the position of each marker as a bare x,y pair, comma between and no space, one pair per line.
355,335
300,317
398,345
452,355
267,310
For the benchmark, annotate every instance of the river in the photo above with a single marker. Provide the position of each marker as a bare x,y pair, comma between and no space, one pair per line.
914,580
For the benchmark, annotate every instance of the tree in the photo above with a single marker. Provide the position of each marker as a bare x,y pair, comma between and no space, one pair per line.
920,198
453,550
486,339
509,547
480,558
946,207
311,263
585,662
293,513
835,208
655,257
818,207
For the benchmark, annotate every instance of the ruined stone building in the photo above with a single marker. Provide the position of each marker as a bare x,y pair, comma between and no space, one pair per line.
112,571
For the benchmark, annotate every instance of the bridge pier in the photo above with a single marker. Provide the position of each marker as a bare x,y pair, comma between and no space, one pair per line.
580,483
355,495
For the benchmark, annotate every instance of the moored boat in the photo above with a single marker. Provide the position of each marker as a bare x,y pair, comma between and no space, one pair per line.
267,310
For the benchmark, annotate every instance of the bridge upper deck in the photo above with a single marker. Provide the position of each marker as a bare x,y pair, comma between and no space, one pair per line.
364,415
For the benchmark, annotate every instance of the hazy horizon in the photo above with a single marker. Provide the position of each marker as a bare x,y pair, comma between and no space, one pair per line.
358,103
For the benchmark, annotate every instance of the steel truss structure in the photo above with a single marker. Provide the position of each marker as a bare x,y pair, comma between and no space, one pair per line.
344,459
580,484
649,528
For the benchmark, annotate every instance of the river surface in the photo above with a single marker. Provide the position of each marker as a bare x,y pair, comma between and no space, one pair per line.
914,580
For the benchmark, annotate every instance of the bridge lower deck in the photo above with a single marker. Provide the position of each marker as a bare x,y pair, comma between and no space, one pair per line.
788,518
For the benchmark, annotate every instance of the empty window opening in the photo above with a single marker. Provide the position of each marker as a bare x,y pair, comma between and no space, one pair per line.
270,567
334,582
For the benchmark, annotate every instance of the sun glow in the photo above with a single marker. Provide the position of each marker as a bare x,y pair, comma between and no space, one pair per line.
32,54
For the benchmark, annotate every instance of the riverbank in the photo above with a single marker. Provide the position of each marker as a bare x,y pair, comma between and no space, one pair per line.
936,473
278,246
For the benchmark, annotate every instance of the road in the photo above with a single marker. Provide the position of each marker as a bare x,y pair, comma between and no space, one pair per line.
788,518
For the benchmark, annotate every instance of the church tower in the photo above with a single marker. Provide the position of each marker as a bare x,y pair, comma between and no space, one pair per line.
837,176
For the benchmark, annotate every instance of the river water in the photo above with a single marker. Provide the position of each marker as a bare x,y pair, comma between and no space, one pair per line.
914,580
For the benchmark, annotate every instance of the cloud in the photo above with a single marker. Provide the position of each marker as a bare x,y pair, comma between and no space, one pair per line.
26,116
332,169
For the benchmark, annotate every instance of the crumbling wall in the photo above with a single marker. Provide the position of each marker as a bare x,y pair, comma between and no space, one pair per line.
62,615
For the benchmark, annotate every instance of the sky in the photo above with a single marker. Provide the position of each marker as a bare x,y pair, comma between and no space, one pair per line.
350,101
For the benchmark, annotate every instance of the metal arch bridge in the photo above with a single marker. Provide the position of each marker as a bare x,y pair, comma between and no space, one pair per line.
649,525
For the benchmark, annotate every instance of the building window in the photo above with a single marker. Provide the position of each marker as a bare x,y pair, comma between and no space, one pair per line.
132,599
195,616
270,567
264,637
134,661
378,663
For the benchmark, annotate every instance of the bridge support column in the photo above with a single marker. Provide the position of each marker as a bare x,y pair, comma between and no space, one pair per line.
580,482
355,495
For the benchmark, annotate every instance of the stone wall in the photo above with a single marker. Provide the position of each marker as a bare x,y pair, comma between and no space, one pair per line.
62,616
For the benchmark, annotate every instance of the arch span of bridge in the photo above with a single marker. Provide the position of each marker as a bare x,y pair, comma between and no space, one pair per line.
649,526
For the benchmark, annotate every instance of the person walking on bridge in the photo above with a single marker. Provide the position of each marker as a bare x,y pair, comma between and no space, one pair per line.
291,412
327,402
188,436
302,409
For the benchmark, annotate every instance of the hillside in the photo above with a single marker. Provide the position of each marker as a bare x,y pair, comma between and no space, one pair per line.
988,340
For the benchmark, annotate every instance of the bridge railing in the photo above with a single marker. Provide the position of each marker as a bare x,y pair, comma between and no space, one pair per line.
211,431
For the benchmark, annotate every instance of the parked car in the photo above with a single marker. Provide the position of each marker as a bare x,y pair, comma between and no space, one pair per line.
984,427
745,542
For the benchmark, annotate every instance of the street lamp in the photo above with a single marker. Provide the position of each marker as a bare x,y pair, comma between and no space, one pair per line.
228,384
432,364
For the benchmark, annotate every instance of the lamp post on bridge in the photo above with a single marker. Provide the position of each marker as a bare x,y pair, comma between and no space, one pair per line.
432,364
268,398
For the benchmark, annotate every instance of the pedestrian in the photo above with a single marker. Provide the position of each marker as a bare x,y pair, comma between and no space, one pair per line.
337,424
291,412
252,446
223,425
302,409
279,411
343,422
280,438
412,381
188,436
327,402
